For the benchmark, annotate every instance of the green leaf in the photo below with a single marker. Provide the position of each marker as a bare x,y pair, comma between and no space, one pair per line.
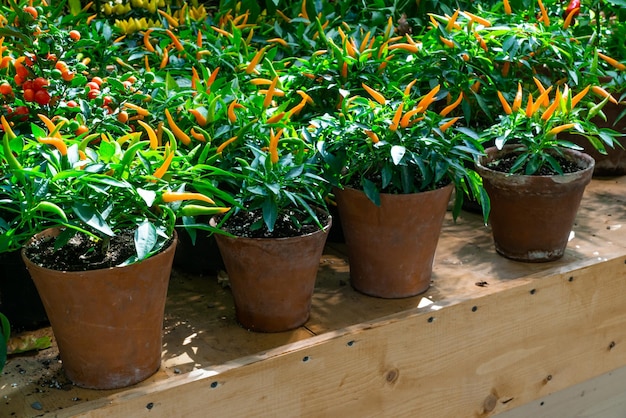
3,351
270,213
148,196
397,153
371,191
92,218
145,239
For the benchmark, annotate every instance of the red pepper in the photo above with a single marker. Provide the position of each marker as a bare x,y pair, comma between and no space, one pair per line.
573,4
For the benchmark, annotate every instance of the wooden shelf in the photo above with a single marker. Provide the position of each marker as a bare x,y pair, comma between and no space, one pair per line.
527,332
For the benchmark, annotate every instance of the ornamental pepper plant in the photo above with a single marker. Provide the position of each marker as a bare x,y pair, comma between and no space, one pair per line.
398,145
118,185
536,122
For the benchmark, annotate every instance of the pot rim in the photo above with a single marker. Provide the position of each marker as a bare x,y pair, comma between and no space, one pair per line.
451,184
493,153
213,222
54,232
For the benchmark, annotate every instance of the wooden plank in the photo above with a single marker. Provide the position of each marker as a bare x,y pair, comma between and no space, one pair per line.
603,396
551,333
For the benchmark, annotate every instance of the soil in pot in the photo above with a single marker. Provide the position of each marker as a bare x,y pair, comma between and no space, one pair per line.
532,216
107,322
272,279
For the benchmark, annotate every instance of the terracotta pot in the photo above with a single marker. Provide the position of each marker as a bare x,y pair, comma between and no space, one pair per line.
19,300
532,216
391,247
108,322
272,279
614,162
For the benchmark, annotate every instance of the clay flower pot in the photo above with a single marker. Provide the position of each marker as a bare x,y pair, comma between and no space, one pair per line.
391,247
272,279
532,216
613,163
107,323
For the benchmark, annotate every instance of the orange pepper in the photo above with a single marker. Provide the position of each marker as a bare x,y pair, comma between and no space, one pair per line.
376,95
166,58
175,40
200,118
140,110
560,128
452,106
178,133
448,124
276,117
270,92
404,46
225,144
429,98
552,108
231,110
197,136
372,136
212,78
507,7
173,22
568,19
452,20
406,119
58,143
613,62
579,96
273,149
478,19
251,67
159,172
396,118
603,93
529,106
178,196
505,104
517,101
544,14
146,40
154,142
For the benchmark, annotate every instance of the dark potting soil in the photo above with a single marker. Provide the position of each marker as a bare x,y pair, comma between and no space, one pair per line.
504,165
241,225
82,253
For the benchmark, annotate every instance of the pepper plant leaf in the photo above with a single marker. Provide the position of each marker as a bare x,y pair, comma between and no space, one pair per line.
145,239
92,218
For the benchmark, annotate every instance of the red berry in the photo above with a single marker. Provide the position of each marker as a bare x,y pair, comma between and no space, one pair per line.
67,75
28,85
93,86
42,97
6,89
21,111
93,94
40,83
74,35
19,80
29,95
31,11
71,103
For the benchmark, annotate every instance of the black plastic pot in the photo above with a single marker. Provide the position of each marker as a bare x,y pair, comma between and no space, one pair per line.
19,299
